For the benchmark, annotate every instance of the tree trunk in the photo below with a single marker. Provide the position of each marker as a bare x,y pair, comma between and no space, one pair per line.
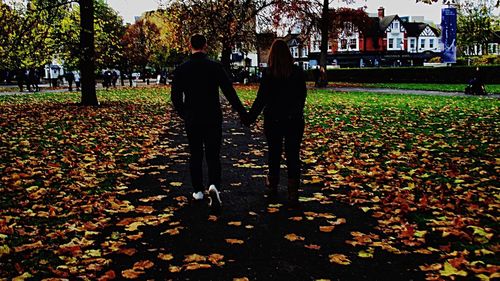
87,62
226,57
325,18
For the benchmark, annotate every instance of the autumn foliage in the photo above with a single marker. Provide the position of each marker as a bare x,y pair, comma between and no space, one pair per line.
100,193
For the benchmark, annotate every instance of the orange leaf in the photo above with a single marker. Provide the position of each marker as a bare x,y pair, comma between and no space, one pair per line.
234,241
313,247
194,258
293,237
165,257
339,259
328,228
141,265
109,275
31,246
131,273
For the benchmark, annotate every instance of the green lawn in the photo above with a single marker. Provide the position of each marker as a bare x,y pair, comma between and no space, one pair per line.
424,167
492,88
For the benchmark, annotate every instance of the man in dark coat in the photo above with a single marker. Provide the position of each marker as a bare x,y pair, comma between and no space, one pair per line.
195,96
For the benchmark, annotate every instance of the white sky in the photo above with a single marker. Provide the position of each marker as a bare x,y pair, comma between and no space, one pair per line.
130,8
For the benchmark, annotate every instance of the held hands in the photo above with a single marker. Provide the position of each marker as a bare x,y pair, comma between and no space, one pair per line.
245,119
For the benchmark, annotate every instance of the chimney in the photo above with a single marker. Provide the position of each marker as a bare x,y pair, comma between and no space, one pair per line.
381,12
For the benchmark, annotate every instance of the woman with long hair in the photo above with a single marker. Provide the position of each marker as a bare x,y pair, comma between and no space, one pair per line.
282,94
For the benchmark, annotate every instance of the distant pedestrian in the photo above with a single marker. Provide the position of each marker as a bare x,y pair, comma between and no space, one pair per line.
54,75
21,77
282,95
77,80
316,74
70,77
27,80
34,78
107,79
114,78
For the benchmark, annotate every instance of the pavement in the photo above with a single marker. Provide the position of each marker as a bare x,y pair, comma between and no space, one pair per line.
250,234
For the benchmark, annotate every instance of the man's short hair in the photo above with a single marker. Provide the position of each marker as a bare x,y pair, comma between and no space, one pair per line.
198,41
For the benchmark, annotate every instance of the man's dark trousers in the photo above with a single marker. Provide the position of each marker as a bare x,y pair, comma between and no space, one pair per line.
204,139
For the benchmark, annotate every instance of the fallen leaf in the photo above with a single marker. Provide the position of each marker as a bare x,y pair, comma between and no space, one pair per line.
313,247
339,259
449,270
194,258
165,257
174,269
234,241
328,228
294,237
142,265
131,273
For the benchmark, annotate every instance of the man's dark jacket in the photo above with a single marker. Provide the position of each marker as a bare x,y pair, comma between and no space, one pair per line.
195,91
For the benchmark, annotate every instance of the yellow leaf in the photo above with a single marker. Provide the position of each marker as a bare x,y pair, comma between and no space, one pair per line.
4,250
176,184
194,258
339,259
366,254
22,277
174,269
449,270
165,257
133,226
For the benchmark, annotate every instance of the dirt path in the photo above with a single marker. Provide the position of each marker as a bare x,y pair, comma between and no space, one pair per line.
172,228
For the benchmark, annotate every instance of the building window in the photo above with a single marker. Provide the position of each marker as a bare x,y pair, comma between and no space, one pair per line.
422,43
399,44
353,44
493,47
431,43
343,44
412,44
395,26
391,43
316,45
304,52
294,51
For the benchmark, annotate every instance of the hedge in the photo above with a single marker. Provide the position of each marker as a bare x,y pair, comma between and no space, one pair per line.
446,75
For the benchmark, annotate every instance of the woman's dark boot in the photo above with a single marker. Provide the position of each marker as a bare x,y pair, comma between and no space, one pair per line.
272,186
293,192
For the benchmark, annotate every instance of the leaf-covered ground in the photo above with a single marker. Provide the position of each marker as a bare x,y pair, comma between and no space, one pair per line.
395,188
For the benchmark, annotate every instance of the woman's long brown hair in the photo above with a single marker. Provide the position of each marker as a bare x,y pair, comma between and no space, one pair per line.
280,60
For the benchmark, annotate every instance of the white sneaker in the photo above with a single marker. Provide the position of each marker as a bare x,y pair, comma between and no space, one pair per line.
198,195
214,194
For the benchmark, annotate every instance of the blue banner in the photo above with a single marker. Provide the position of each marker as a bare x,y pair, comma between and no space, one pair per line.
449,34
